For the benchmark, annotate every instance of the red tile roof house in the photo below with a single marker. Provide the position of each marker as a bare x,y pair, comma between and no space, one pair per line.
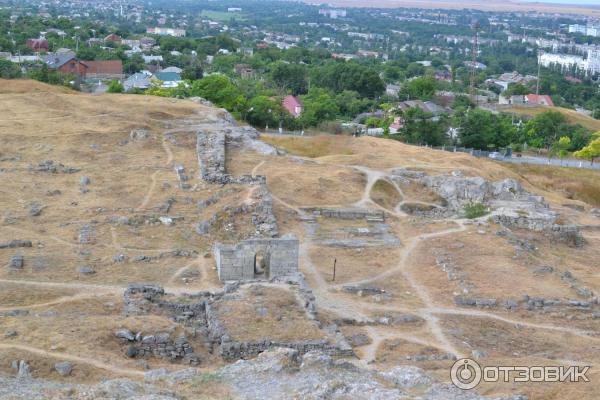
113,38
37,44
541,99
108,69
67,64
293,105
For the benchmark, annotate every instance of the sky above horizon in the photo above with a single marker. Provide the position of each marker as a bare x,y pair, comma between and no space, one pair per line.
572,2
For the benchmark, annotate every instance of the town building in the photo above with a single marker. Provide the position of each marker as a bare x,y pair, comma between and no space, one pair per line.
244,70
105,69
37,44
166,31
113,38
66,63
168,79
141,80
333,13
293,105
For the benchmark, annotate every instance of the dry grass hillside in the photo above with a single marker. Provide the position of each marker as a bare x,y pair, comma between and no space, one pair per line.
572,116
93,215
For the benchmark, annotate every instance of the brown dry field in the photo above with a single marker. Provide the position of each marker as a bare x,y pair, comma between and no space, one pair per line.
506,6
266,311
73,316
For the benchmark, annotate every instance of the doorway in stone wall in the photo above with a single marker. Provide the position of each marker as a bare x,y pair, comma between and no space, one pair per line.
261,265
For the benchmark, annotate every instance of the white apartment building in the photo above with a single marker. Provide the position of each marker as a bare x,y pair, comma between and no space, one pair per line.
590,64
589,29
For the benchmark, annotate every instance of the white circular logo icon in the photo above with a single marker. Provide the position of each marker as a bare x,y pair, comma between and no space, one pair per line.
465,374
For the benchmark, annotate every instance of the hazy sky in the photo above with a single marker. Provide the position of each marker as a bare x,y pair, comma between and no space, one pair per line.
586,2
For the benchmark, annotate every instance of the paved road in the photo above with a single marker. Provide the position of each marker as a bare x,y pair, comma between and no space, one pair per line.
553,161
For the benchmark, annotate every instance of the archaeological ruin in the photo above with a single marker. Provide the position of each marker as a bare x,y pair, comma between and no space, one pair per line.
260,258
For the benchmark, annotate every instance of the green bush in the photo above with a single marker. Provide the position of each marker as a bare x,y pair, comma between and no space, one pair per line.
115,87
474,210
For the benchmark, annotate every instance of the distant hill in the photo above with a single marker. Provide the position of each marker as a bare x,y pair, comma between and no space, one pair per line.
493,5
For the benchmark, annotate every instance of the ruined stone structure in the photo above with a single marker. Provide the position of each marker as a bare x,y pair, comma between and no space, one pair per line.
211,157
347,213
509,203
257,258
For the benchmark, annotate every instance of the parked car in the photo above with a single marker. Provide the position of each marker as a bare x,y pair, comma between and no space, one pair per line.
496,156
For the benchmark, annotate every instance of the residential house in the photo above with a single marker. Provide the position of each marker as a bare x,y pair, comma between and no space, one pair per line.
542,99
166,31
392,90
244,70
66,63
344,56
114,38
177,70
147,42
516,100
293,105
133,43
247,51
37,44
396,125
93,42
152,59
367,54
426,106
507,78
478,65
106,69
443,75
140,80
168,79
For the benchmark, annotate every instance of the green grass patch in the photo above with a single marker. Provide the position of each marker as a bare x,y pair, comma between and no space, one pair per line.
474,210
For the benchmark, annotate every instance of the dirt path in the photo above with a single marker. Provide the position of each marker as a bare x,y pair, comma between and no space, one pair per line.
150,191
68,285
256,168
484,314
94,362
60,300
56,117
181,270
40,236
100,289
410,246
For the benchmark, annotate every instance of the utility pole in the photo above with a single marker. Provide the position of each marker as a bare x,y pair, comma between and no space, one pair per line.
474,50
537,86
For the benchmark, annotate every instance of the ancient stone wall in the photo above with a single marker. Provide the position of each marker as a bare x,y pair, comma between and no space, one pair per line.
238,262
347,213
159,345
244,350
211,156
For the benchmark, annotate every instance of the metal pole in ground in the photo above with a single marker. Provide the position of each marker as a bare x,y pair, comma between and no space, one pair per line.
334,263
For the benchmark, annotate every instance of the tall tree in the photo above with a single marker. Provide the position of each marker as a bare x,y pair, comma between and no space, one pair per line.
592,150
